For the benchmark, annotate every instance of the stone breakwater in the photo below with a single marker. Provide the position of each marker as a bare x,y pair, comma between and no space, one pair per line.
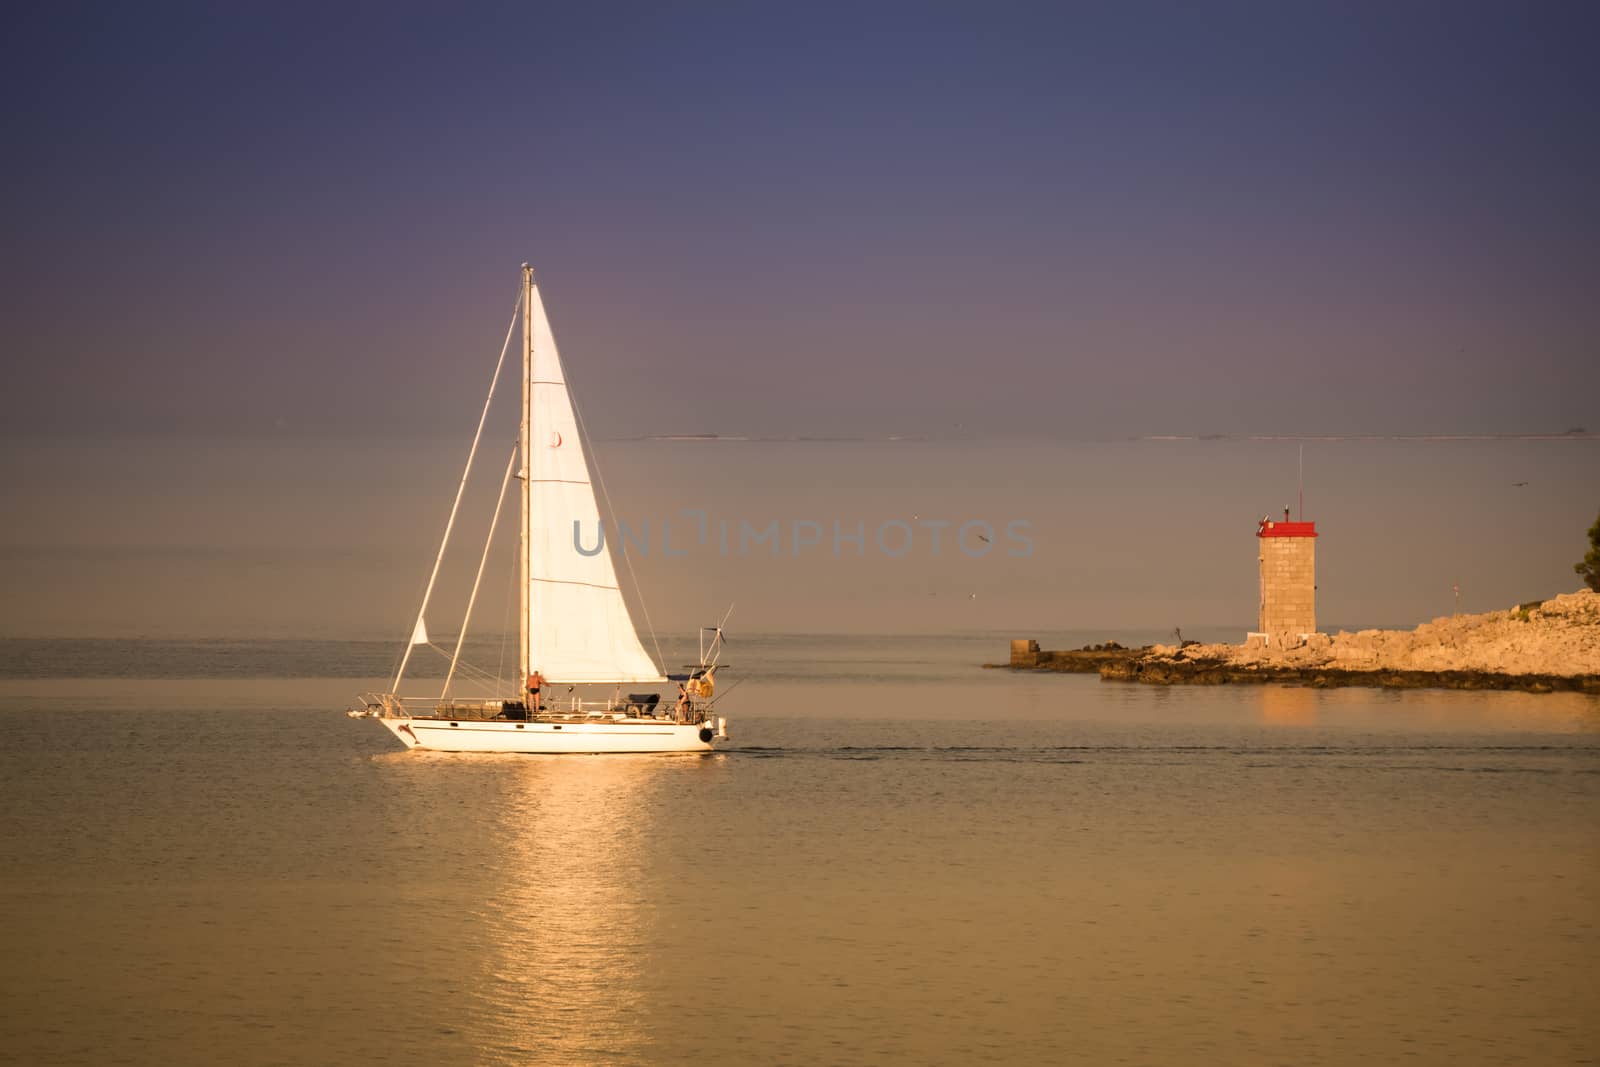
1026,655
1541,646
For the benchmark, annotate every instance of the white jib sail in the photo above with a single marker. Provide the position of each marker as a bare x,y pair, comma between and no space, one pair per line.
578,625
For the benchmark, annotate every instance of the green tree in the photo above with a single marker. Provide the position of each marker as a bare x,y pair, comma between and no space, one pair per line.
1590,567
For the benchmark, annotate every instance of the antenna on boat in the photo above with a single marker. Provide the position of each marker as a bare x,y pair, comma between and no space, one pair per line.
717,640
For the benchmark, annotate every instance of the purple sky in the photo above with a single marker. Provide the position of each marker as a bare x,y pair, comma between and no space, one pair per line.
1003,220
259,260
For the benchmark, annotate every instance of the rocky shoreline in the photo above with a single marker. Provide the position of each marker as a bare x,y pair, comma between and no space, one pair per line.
1539,647
1026,655
1157,671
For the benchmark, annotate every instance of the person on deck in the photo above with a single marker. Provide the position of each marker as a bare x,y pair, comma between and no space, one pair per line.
535,683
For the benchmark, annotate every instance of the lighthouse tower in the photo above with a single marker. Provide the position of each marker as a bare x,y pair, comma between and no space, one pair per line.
1288,558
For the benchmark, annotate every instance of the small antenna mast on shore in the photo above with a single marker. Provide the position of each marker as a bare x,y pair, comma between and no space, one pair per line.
1302,516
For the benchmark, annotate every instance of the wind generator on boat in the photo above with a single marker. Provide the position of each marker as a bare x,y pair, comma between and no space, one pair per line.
573,625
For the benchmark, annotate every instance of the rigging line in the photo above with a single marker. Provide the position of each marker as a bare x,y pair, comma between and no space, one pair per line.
467,666
462,488
473,673
394,662
505,617
483,561
574,581
600,480
471,670
713,701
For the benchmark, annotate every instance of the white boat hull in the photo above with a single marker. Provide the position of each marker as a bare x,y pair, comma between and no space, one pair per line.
599,736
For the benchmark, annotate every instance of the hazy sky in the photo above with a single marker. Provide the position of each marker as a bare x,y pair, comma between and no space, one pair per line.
1035,220
319,537
259,259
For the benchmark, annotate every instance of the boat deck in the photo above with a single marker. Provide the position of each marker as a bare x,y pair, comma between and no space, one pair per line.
646,713
691,718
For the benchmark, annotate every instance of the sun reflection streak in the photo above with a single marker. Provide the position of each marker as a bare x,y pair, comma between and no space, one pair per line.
564,914
1445,710
1282,706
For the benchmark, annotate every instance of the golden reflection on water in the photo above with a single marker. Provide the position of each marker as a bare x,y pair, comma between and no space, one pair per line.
1115,874
1433,710
564,909
1282,706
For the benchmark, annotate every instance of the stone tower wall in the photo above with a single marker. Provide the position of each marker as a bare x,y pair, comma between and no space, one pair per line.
1288,585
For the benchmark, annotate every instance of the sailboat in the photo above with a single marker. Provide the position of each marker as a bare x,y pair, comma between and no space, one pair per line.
573,624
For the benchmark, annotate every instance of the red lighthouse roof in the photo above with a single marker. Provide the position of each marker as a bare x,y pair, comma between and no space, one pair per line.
1276,528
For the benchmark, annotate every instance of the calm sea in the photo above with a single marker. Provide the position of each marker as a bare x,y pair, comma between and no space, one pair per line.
899,858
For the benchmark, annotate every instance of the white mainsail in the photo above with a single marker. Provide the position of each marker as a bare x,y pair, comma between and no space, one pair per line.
578,628
574,624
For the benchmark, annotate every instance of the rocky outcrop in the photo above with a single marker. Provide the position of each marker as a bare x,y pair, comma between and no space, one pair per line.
1026,655
1540,646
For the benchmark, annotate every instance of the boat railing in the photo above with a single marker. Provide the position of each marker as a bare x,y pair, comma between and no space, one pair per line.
570,709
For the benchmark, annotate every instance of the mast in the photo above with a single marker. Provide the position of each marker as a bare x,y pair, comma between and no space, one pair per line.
524,570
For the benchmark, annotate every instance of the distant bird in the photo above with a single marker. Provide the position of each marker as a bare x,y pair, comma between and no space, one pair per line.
1519,483
982,538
